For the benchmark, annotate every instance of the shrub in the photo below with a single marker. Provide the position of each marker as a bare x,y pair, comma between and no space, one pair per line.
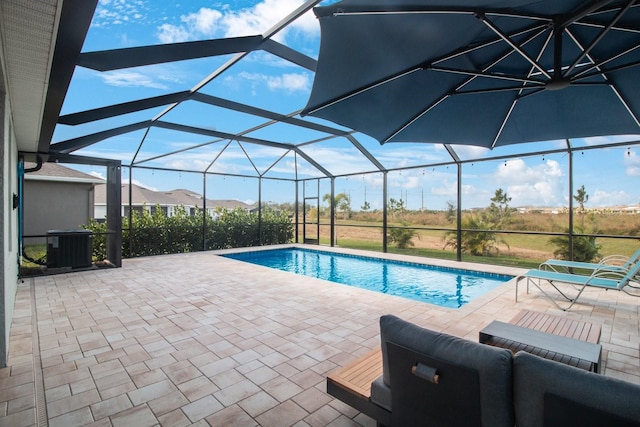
585,248
476,243
402,236
99,229
156,234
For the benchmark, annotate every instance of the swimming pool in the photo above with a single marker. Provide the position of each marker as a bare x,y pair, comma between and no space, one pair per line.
443,286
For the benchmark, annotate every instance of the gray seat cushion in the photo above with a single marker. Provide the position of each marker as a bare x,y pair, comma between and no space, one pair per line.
548,393
494,365
381,393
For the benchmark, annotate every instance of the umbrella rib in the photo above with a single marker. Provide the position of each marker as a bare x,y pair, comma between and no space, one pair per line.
469,49
597,66
590,8
520,95
626,105
493,90
588,23
504,122
461,85
484,74
422,66
582,76
586,73
443,11
511,43
361,89
410,122
597,40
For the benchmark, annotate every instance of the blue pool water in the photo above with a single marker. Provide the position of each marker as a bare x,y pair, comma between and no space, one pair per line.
443,286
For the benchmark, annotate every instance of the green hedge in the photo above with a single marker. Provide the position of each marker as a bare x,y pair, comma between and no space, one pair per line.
156,233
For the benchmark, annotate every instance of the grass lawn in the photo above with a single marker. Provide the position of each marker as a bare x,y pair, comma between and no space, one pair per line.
523,250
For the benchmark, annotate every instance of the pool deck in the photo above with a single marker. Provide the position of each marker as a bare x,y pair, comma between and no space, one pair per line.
198,339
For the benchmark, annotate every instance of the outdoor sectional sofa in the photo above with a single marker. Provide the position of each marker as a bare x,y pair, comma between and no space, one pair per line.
435,379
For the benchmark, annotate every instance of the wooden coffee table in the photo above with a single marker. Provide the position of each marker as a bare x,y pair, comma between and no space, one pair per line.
565,340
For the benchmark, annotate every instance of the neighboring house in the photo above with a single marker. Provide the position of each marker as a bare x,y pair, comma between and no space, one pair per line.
167,201
56,198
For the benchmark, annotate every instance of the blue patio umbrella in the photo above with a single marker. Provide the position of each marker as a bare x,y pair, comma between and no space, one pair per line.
479,72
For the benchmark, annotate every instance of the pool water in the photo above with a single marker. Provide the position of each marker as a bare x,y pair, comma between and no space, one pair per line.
443,286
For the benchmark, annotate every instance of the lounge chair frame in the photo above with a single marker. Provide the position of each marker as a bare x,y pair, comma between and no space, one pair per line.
605,278
611,262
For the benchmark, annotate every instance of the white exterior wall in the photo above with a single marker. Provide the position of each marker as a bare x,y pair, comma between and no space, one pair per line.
9,228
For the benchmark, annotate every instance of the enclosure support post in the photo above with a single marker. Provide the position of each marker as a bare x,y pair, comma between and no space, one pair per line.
571,231
459,215
114,214
332,209
260,210
296,210
384,211
130,214
204,211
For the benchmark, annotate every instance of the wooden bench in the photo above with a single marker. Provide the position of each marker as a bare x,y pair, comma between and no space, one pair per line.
568,341
352,385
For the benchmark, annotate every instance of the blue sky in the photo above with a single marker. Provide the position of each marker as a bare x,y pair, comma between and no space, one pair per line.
611,176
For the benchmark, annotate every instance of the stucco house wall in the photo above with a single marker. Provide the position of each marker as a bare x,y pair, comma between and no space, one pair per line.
56,203
9,222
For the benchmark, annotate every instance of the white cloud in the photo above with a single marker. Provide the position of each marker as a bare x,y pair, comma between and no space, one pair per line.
338,160
204,22
118,12
212,23
632,163
168,33
160,76
125,181
188,164
532,185
290,82
97,175
398,154
131,79
450,189
469,151
601,198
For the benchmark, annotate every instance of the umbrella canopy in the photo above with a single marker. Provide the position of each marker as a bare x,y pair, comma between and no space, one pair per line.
479,72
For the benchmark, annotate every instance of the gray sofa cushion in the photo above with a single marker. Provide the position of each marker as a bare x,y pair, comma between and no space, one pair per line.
494,365
381,393
548,393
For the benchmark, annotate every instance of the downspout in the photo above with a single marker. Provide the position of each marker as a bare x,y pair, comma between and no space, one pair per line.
37,167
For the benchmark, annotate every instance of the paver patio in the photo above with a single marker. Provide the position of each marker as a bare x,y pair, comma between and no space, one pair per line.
197,339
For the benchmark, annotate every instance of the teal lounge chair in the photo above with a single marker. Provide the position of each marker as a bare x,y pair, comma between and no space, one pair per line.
605,278
611,262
